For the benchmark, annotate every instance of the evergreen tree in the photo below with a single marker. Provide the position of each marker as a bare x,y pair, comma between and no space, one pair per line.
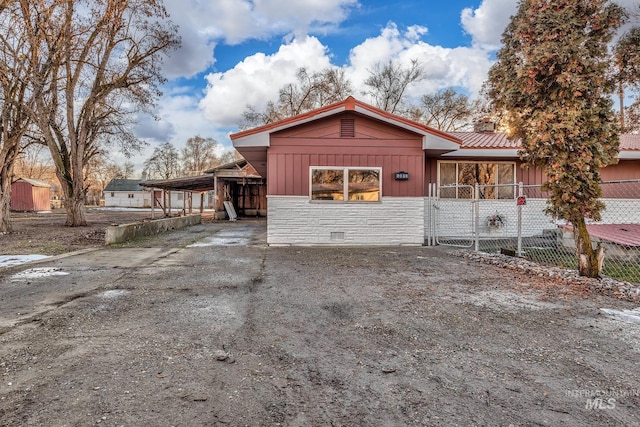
551,78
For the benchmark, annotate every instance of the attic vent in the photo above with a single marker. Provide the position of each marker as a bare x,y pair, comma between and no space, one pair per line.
347,128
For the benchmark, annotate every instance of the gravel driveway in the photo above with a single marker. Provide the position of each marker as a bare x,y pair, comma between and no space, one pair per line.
208,326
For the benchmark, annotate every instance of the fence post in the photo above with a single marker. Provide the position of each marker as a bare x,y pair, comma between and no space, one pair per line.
432,213
427,213
520,192
477,216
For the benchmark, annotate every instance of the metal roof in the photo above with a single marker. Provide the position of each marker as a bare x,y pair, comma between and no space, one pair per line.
621,234
188,183
499,140
34,182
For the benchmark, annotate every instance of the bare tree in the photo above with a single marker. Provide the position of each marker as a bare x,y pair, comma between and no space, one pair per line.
388,83
309,91
99,63
34,162
627,62
229,156
15,99
445,110
199,154
99,171
164,163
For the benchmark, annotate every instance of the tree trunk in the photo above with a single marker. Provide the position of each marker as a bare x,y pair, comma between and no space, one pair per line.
5,200
74,200
75,211
590,260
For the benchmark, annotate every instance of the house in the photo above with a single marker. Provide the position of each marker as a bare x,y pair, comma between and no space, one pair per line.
138,193
346,174
29,194
352,174
126,193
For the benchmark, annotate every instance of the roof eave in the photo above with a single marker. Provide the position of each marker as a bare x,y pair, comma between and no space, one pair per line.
507,153
629,155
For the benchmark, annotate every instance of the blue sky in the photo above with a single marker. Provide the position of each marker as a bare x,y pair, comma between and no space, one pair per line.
240,52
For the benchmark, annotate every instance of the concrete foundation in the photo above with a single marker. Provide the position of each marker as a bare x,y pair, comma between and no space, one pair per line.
124,232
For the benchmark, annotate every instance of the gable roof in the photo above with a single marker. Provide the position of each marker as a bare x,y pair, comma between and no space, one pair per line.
253,143
260,136
34,182
236,169
120,184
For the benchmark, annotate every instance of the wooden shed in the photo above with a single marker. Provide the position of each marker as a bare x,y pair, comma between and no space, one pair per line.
30,195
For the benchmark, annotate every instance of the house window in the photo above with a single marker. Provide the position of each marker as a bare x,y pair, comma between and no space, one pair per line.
346,184
130,196
180,196
113,194
495,180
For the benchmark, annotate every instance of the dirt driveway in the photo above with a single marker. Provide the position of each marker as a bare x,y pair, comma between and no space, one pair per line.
208,326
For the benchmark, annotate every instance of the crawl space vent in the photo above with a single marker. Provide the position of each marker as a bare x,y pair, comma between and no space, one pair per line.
337,235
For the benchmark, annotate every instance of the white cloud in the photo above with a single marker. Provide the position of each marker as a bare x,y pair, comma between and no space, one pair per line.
487,23
444,67
257,80
239,20
203,24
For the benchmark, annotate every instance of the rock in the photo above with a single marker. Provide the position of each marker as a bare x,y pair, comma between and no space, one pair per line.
220,355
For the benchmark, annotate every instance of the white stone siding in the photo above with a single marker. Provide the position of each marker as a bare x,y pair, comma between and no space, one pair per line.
294,220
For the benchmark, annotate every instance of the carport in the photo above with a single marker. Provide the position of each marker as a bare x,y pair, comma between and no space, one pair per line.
187,185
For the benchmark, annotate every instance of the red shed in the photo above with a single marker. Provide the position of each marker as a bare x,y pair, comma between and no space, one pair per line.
30,195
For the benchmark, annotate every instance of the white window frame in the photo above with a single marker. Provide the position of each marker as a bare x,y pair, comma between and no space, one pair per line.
457,162
345,183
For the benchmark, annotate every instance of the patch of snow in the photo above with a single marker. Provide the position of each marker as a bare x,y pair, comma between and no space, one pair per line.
113,293
225,238
38,273
631,316
8,260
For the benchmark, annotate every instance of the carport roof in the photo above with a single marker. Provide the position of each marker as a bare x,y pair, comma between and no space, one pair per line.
198,183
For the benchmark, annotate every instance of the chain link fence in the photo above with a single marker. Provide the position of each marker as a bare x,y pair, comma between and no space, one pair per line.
511,219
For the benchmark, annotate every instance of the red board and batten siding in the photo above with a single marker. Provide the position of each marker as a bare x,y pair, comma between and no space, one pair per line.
293,151
27,197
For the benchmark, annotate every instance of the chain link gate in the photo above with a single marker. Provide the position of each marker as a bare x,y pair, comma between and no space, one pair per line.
451,216
478,217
